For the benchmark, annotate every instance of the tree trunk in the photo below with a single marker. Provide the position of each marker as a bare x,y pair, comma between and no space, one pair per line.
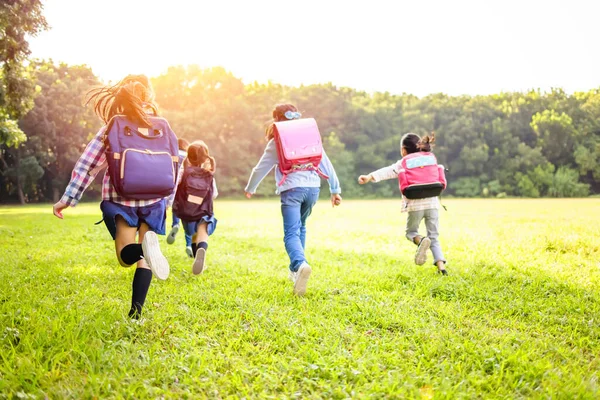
19,183
55,195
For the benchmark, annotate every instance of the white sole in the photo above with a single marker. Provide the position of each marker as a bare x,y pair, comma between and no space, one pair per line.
302,280
172,234
198,265
421,255
189,252
154,257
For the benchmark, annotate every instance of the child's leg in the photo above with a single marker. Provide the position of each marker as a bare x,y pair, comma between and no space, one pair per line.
188,245
199,247
128,253
305,211
412,226
174,230
412,233
432,225
291,202
200,238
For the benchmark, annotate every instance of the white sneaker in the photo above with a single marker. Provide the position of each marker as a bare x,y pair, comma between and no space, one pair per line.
154,257
198,265
189,252
172,234
300,278
421,254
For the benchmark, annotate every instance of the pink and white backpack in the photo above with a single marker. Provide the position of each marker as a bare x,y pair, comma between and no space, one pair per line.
420,176
299,146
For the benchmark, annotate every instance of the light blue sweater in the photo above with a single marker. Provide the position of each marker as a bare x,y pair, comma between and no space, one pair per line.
295,179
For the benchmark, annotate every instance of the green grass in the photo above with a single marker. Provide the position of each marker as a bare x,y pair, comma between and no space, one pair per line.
518,317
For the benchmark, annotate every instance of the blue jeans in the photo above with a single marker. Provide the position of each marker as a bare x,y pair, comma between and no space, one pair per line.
188,238
296,206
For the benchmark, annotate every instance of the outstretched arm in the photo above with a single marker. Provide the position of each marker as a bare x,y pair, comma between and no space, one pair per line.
84,172
264,166
381,174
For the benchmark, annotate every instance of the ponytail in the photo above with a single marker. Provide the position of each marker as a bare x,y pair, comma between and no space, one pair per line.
270,132
426,143
213,164
198,156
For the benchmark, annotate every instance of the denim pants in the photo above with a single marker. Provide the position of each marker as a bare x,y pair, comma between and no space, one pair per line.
188,238
431,224
296,206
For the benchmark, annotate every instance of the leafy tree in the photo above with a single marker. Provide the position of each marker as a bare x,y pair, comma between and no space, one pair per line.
566,184
18,18
556,135
530,144
59,125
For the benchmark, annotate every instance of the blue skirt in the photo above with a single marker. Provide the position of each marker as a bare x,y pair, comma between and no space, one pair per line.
154,215
191,227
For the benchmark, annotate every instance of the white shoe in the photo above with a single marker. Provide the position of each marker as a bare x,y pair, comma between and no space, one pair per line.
300,278
421,254
154,257
172,234
198,265
189,252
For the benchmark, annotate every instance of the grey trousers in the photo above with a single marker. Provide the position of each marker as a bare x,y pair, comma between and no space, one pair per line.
431,224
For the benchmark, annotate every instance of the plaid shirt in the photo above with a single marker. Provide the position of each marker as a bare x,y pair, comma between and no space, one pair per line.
392,172
91,162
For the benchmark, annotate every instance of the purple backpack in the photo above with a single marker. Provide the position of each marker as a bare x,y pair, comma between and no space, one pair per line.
142,162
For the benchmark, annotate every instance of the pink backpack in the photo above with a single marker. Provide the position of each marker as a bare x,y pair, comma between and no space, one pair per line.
299,146
420,176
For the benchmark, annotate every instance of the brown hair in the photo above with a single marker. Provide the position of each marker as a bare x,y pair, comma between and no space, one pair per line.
128,97
183,144
427,142
198,155
413,143
278,115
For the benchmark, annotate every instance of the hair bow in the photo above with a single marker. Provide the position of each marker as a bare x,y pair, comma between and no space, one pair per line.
292,114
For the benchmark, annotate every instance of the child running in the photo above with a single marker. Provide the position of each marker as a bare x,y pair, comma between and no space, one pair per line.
299,192
420,208
194,201
130,204
183,146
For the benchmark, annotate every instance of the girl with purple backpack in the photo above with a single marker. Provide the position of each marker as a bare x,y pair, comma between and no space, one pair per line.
298,186
422,202
133,200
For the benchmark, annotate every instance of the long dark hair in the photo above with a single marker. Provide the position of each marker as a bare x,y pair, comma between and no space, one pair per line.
198,154
278,115
130,97
413,143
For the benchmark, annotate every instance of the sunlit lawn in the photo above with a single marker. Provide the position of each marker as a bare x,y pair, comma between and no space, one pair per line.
518,316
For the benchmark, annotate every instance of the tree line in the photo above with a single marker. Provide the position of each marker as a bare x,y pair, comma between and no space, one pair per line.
534,144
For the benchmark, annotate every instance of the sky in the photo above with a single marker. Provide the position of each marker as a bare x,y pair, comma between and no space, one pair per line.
418,46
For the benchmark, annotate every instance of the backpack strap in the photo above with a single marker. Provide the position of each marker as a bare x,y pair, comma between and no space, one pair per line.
285,174
321,174
311,168
445,209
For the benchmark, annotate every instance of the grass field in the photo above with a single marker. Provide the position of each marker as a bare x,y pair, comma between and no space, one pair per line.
519,315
